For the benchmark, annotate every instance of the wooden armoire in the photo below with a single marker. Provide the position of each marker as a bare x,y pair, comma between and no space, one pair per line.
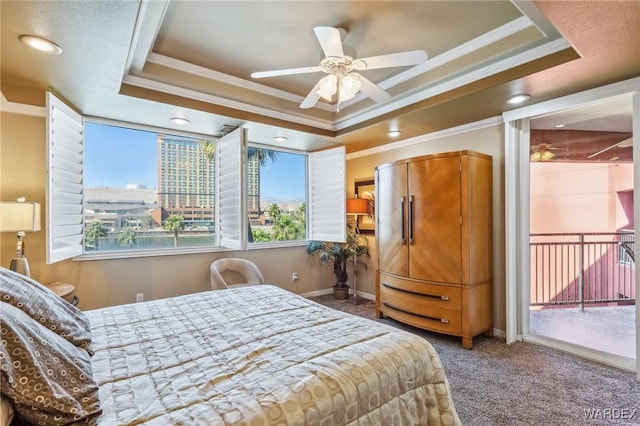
434,241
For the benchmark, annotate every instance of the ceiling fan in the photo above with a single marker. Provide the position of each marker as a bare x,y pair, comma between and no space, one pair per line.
542,152
622,144
340,65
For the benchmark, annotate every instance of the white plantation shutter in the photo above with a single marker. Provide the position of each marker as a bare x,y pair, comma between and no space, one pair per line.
230,199
327,211
65,186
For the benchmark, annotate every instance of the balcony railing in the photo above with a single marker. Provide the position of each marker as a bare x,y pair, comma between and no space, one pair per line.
582,268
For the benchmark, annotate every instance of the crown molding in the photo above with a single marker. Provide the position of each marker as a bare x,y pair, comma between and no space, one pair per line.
22,109
464,128
199,71
146,83
148,22
486,71
574,100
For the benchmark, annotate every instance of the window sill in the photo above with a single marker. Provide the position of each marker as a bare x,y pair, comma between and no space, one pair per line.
279,244
129,254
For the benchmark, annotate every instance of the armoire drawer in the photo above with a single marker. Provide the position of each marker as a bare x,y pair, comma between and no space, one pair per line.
406,292
435,319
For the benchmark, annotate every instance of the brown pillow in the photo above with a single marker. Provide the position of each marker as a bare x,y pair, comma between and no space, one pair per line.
47,379
46,307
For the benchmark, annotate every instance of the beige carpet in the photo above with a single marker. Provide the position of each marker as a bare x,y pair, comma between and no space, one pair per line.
524,384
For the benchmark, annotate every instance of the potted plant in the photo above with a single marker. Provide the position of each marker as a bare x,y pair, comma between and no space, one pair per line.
342,256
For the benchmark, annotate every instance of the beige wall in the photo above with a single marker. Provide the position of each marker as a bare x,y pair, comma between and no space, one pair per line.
110,282
489,141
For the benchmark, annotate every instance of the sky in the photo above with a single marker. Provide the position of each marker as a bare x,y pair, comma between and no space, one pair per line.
116,157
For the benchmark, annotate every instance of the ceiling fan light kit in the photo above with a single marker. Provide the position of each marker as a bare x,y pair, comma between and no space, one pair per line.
341,81
542,156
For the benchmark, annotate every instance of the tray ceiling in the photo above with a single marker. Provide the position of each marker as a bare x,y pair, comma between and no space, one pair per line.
145,62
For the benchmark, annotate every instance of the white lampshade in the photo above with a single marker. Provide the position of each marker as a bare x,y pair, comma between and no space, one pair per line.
19,216
349,87
327,86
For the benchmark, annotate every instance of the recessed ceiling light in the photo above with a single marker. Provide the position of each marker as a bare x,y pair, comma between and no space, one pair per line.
518,99
180,120
394,133
559,126
40,44
280,138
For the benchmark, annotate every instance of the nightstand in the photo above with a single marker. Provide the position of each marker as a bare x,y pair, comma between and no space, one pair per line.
64,290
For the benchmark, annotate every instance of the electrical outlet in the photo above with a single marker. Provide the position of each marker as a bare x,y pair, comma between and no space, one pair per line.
139,297
294,276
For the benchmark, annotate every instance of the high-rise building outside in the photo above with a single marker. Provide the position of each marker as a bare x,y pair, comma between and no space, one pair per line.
253,188
186,181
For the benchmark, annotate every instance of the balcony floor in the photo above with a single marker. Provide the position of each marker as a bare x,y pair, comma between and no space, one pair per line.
611,329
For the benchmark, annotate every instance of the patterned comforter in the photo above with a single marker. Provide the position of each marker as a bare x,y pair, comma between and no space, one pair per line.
261,356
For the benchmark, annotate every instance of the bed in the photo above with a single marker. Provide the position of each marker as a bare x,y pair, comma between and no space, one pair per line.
255,355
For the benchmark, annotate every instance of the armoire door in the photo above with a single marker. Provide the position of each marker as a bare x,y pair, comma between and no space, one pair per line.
391,227
434,219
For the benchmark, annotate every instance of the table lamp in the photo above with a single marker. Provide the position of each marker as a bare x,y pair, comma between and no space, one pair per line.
19,216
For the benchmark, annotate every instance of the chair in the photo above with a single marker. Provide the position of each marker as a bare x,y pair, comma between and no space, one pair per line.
234,272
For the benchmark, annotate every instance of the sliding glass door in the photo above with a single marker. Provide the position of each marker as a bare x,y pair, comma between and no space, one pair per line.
581,227
571,223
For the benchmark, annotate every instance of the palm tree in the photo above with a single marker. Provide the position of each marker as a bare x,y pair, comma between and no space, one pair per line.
262,155
208,149
174,223
300,216
342,255
92,233
127,237
274,212
284,228
260,235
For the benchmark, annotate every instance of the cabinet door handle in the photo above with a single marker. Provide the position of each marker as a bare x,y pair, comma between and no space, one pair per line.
410,219
444,297
404,240
444,320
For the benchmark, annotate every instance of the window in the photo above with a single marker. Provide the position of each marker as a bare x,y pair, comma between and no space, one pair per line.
146,190
276,195
113,189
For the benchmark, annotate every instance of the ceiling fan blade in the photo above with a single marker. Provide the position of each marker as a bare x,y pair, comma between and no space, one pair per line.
623,144
312,98
401,59
372,90
330,41
276,73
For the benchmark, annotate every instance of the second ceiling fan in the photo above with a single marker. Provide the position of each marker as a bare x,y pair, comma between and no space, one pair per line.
341,80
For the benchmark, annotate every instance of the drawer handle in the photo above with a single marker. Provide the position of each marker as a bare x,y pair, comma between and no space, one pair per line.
434,296
442,320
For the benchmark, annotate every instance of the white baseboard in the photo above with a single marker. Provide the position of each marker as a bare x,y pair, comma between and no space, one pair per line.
367,296
499,333
317,293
